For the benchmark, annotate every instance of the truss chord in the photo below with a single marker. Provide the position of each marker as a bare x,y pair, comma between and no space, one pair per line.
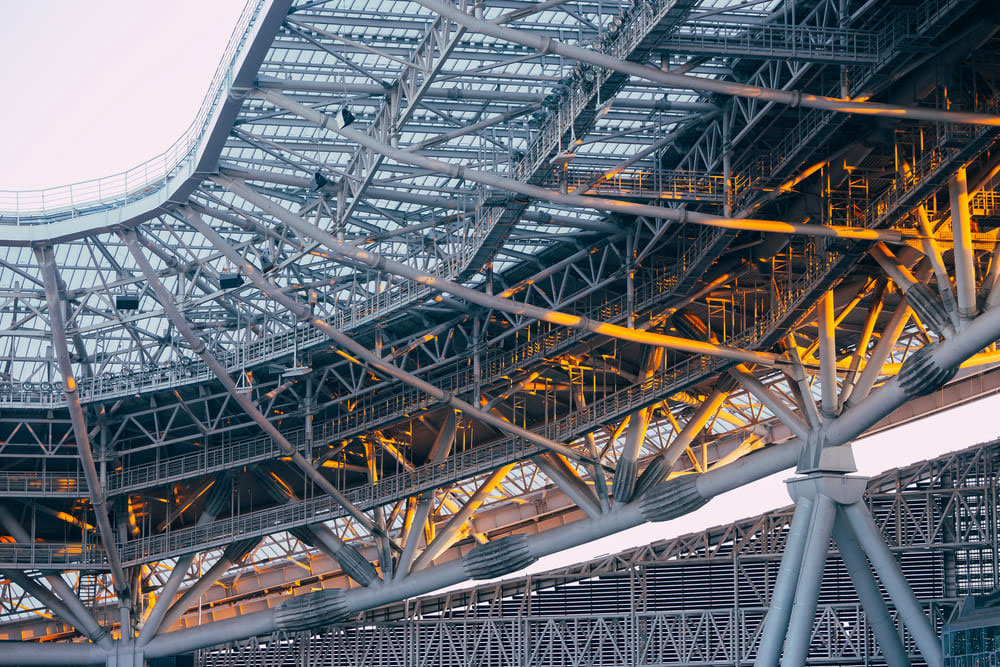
795,98
486,300
394,155
47,266
681,215
177,318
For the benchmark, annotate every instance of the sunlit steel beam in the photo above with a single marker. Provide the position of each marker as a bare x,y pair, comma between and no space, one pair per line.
234,553
827,355
581,201
366,356
80,616
447,535
215,503
443,442
474,296
961,225
626,470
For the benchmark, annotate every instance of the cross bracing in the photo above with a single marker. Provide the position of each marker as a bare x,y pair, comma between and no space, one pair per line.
696,599
414,270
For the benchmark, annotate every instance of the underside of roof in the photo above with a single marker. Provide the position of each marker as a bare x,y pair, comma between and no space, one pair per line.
424,276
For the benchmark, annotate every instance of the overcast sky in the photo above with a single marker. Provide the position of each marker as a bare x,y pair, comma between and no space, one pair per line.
93,88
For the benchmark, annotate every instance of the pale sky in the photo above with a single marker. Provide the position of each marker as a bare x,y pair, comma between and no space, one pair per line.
93,88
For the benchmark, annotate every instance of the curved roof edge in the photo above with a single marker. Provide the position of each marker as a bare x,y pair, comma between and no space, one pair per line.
196,152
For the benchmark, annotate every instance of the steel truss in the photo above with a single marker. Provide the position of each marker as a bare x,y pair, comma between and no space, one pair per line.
436,290
696,599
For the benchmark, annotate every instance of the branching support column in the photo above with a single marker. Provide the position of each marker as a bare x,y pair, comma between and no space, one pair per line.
439,451
364,355
834,505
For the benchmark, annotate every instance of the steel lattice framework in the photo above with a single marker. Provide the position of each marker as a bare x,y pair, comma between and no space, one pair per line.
695,599
429,290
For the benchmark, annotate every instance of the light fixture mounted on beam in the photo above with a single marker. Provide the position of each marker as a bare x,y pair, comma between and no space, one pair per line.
229,280
343,118
296,371
127,302
318,182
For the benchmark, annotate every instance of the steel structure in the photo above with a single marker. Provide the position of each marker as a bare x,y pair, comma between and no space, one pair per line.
696,599
429,290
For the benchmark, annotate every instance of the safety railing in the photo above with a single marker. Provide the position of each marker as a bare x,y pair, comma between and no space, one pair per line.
665,184
43,485
47,555
397,400
404,293
469,463
815,43
901,31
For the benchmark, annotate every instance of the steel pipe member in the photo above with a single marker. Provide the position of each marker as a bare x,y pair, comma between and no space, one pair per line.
885,565
49,653
596,203
803,615
480,298
214,504
665,501
876,611
182,325
794,98
95,491
783,596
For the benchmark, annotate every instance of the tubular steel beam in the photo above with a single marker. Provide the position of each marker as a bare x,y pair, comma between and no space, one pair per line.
660,467
569,481
443,443
54,604
379,262
778,408
873,367
87,623
673,498
783,595
876,612
232,554
626,471
47,266
199,348
961,225
214,504
810,575
596,203
827,355
303,312
47,654
872,542
597,468
450,532
546,44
